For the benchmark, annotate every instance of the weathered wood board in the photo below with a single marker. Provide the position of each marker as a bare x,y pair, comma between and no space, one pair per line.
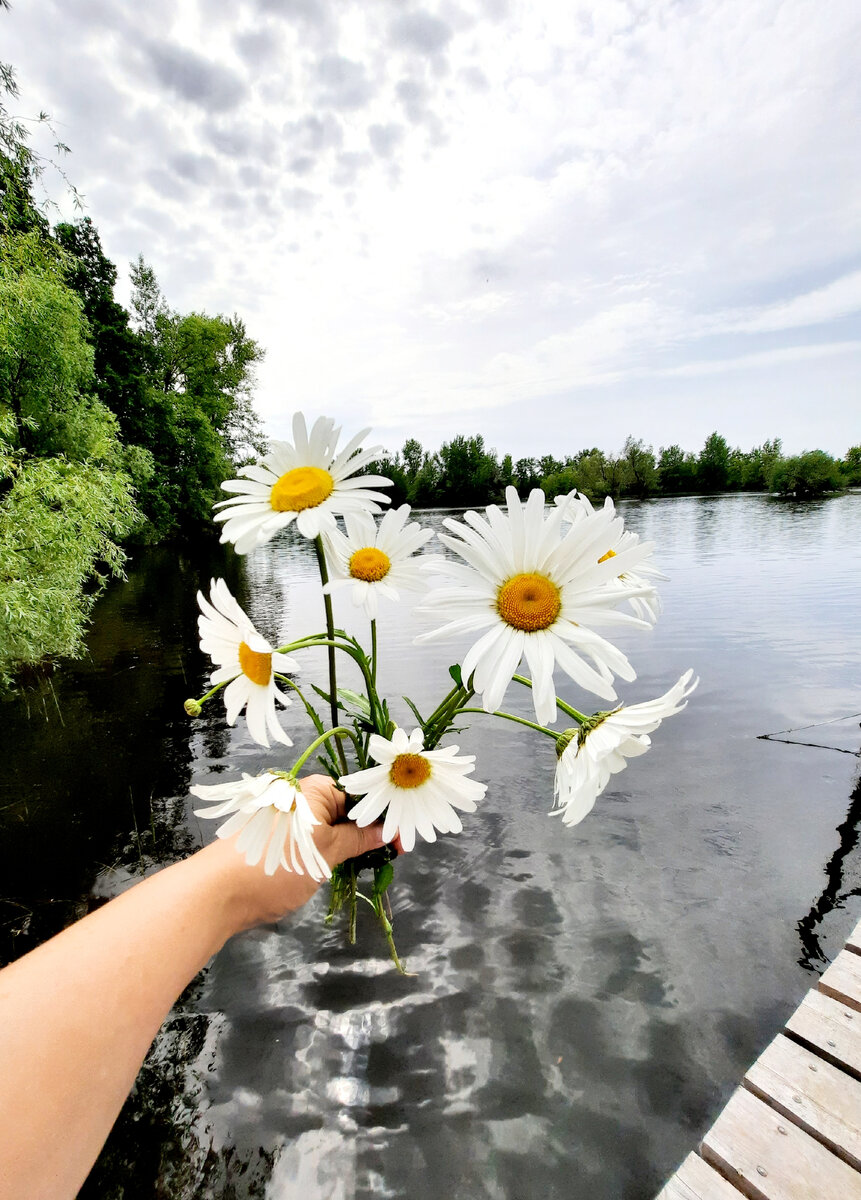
793,1130
853,942
842,980
770,1158
696,1180
830,1028
822,1100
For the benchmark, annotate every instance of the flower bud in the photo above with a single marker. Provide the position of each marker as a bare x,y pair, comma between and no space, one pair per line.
193,707
564,740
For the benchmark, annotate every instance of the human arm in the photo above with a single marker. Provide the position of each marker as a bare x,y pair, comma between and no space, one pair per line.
78,1014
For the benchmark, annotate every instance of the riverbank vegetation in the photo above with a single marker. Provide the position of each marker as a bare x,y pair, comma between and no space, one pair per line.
464,470
115,426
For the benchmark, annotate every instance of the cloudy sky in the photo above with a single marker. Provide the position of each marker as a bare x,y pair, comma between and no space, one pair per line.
551,223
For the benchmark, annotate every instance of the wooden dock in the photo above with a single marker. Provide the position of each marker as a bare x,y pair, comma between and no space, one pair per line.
792,1131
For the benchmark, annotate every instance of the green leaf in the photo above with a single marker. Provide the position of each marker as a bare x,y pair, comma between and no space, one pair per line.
454,671
418,716
320,692
383,876
355,704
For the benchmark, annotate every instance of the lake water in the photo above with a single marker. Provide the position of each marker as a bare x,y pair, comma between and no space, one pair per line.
585,999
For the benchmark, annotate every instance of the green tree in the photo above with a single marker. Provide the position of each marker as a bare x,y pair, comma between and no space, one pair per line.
560,483
676,471
65,479
19,167
426,488
506,472
61,524
148,302
469,472
413,457
548,464
641,476
759,465
526,475
122,359
200,423
46,365
852,467
713,464
807,475
596,474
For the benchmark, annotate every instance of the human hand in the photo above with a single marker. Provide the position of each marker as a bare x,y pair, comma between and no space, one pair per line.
254,897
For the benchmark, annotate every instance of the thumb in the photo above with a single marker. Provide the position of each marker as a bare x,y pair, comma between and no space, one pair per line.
349,840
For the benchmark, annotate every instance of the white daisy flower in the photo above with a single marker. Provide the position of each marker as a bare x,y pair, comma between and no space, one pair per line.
644,601
376,560
529,590
420,789
270,813
593,753
247,660
307,481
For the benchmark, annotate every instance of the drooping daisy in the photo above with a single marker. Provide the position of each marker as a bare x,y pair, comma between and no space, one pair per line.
270,813
642,593
376,560
530,590
591,754
307,481
419,789
247,660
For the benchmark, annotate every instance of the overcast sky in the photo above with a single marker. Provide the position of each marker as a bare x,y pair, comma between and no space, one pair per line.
553,223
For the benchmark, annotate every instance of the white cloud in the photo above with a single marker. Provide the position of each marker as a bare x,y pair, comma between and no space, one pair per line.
452,214
841,298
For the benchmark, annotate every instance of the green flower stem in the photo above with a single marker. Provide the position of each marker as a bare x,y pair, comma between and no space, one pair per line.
309,708
377,904
447,712
330,628
387,930
511,717
313,639
338,732
374,655
442,704
312,713
579,717
354,907
212,691
353,648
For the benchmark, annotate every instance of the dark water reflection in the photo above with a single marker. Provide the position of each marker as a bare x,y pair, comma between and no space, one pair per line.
584,1003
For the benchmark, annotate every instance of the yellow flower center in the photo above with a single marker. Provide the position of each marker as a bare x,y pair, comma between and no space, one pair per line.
529,602
609,554
256,666
409,771
303,487
370,564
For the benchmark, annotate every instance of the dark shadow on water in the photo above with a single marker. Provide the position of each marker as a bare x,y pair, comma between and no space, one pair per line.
97,758
843,879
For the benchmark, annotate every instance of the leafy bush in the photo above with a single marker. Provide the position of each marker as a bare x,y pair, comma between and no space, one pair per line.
60,523
810,474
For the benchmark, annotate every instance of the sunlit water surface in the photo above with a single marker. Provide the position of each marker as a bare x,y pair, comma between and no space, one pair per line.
584,1000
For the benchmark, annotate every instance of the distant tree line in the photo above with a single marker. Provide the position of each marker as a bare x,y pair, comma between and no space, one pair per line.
464,471
114,425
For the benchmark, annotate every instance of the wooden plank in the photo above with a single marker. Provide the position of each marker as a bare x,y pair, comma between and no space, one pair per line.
822,1100
853,942
842,980
695,1180
767,1157
830,1028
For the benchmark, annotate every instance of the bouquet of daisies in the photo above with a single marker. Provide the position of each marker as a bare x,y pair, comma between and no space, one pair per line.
531,585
